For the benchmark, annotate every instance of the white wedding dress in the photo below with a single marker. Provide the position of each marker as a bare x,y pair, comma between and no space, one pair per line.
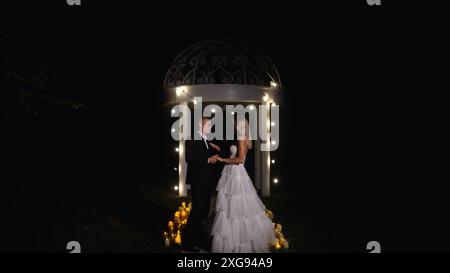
240,224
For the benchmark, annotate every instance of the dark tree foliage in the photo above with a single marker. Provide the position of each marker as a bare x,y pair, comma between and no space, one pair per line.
28,80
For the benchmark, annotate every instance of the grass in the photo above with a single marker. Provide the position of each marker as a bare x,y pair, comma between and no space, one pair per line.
135,223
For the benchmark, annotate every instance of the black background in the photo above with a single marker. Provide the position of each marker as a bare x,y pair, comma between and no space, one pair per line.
356,142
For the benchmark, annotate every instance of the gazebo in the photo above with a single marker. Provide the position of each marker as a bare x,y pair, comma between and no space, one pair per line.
224,71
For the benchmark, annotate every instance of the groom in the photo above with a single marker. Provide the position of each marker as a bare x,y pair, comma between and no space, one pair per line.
200,158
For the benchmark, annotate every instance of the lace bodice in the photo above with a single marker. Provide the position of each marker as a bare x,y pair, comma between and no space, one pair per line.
233,152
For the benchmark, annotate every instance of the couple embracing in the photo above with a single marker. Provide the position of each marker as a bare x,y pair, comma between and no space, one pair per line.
240,224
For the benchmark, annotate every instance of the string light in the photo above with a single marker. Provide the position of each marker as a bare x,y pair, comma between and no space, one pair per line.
179,91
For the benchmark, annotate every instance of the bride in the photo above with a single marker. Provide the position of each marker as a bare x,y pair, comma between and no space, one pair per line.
240,224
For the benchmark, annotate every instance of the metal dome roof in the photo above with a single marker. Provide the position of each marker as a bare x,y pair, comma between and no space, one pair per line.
221,61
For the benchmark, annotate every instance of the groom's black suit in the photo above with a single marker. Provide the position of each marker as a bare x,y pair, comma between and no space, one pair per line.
200,175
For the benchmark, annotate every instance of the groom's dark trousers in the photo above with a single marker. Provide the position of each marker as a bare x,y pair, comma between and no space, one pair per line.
199,176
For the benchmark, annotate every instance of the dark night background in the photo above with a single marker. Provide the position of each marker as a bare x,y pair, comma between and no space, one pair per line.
353,145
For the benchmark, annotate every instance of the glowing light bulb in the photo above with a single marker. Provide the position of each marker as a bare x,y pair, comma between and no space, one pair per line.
178,239
233,113
175,188
274,142
177,149
195,101
273,161
273,84
272,123
173,130
252,107
213,110
173,111
175,169
275,181
265,97
179,91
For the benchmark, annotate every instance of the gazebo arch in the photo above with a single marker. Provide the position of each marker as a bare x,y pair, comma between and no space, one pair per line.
224,71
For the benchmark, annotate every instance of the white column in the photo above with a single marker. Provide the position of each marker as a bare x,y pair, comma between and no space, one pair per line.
265,172
182,166
265,162
258,184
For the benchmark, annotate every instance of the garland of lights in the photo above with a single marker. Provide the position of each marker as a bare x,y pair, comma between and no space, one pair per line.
173,235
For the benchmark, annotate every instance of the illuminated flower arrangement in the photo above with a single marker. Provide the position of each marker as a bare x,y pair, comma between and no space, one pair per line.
280,241
173,234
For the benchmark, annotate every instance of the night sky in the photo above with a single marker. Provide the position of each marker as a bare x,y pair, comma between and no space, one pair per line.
350,145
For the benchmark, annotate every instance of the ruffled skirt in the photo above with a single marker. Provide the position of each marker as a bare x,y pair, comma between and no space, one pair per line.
240,224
